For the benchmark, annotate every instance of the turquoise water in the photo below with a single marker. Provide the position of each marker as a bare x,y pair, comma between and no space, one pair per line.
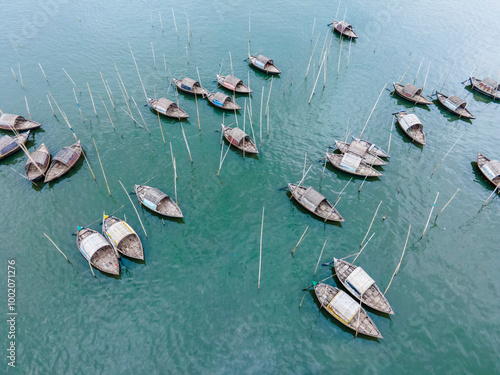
193,305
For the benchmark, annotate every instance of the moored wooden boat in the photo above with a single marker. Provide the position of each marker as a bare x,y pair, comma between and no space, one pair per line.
239,139
17,123
361,286
234,84
190,86
122,237
167,107
264,64
360,148
38,163
411,93
343,28
373,148
157,201
315,202
412,126
345,309
455,105
63,161
222,101
487,86
10,145
353,164
97,251
490,168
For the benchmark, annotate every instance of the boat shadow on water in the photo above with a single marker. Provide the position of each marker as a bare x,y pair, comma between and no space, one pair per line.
334,321
145,211
407,105
450,117
406,139
478,97
74,170
298,206
236,150
480,179
346,176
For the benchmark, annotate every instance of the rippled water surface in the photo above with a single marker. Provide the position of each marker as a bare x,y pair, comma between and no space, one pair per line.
193,305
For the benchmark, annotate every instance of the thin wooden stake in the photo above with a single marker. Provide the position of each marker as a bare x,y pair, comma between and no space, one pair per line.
53,113
27,107
300,240
407,69
399,264
71,79
373,109
140,114
107,91
312,53
175,180
78,104
14,74
106,108
370,227
446,155
261,105
269,97
175,24
139,74
418,70
366,243
57,247
493,192
120,78
154,58
432,209
315,83
100,162
320,255
135,209
20,75
425,80
338,196
446,205
302,300
92,99
161,22
260,256
390,133
161,129
187,145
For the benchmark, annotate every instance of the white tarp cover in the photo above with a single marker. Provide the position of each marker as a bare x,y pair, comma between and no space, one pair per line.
92,243
489,172
450,105
409,120
350,162
344,306
118,231
359,280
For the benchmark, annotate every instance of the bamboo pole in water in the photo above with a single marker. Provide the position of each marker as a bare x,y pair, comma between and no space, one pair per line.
269,97
446,155
432,209
370,227
390,134
135,209
140,114
426,75
320,255
27,107
78,104
260,255
161,129
312,32
300,240
139,74
154,58
14,74
197,111
446,205
360,251
493,192
261,105
161,22
338,196
373,109
418,70
187,145
175,179
316,82
107,91
57,247
53,113
407,69
120,78
92,99
312,53
106,108
71,79
175,24
43,72
399,264
20,75
188,28
102,168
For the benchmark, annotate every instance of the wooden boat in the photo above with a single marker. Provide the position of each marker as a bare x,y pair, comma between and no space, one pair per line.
10,145
353,164
490,168
234,84
222,101
17,123
455,105
487,86
167,107
373,148
157,201
315,202
343,28
411,93
190,86
122,237
345,309
38,163
412,126
360,148
97,251
264,64
63,161
361,286
239,139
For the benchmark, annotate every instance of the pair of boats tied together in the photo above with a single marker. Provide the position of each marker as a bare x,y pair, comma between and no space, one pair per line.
346,309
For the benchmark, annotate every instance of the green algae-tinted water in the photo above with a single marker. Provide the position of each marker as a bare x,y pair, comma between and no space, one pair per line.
193,305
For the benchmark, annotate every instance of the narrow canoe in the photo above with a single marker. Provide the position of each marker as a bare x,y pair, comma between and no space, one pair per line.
234,84
353,164
343,28
361,149
190,86
10,145
63,161
412,127
222,101
264,64
97,251
239,139
361,286
487,86
411,93
455,105
167,108
38,163
17,123
490,168
157,201
346,310
122,237
315,202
